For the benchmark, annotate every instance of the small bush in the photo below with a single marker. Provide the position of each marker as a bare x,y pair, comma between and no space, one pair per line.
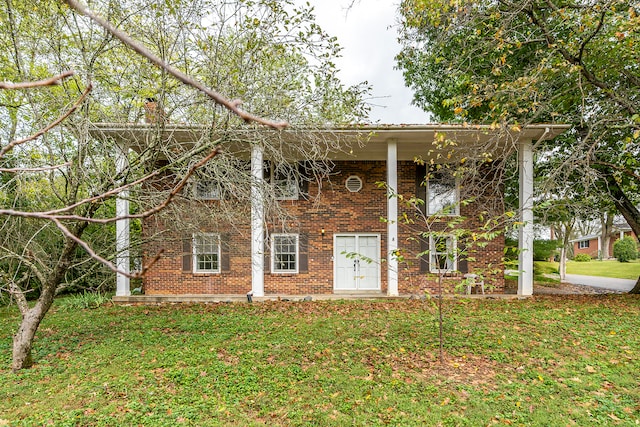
625,250
582,258
83,301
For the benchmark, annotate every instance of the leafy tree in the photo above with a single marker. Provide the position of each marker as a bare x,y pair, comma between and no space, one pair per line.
58,182
508,62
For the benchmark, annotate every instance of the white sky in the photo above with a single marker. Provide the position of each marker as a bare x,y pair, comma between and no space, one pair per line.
368,37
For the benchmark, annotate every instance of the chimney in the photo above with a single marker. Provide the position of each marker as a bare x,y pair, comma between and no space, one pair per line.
153,111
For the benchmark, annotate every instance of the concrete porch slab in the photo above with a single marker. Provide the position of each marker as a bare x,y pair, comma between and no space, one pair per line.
212,299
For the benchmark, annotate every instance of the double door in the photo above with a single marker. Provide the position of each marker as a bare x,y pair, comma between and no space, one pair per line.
356,262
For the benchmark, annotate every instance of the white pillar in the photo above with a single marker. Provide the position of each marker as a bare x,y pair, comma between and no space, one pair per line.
122,228
392,218
526,234
257,223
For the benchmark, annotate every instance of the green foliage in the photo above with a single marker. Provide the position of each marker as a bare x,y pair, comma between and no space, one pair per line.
582,258
516,63
331,363
84,300
626,249
543,250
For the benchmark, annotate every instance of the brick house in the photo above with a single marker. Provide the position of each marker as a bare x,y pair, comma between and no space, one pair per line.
592,244
353,237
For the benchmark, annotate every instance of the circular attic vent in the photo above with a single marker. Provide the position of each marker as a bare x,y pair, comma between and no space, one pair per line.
353,184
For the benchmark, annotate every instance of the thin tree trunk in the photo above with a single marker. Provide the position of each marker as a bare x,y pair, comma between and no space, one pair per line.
23,339
31,318
636,288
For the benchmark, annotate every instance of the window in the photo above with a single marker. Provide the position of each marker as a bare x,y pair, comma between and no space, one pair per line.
283,179
206,253
284,253
443,255
207,190
583,244
442,194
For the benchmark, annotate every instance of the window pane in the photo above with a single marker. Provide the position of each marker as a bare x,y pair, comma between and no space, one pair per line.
442,197
285,253
443,253
206,251
285,184
208,190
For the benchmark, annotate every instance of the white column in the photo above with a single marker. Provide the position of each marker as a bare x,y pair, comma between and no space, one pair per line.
392,218
526,234
122,228
257,223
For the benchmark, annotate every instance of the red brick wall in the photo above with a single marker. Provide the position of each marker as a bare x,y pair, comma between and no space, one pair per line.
336,211
592,250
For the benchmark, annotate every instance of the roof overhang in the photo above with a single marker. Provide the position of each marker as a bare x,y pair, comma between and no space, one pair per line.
361,142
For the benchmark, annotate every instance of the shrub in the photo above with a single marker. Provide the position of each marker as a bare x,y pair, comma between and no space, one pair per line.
543,250
625,250
582,258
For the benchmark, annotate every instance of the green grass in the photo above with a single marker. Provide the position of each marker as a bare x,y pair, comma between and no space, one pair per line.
569,360
609,268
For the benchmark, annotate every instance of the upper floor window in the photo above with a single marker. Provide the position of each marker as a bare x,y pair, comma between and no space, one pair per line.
207,190
206,253
284,180
442,194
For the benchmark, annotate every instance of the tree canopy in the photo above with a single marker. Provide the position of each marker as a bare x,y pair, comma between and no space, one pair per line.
518,62
65,70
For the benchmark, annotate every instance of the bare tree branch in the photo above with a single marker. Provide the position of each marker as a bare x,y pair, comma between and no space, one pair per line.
58,214
50,126
51,81
42,169
232,105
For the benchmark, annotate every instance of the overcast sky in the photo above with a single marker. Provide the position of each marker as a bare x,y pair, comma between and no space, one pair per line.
368,36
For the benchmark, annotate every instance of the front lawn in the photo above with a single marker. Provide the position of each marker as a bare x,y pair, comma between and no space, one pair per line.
608,268
569,360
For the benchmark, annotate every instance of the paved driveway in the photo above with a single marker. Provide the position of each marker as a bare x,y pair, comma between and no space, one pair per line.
620,285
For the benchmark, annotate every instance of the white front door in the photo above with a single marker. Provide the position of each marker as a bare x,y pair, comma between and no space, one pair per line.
356,262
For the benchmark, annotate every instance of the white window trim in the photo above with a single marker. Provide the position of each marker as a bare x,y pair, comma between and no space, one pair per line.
217,186
433,266
583,244
456,210
195,253
273,253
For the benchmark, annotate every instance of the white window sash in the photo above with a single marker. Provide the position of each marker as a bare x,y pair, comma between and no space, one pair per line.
275,253
451,254
207,190
437,206
215,252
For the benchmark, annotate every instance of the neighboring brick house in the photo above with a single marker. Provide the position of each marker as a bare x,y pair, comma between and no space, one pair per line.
350,239
592,244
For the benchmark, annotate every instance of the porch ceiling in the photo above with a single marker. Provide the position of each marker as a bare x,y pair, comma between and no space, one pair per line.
361,142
